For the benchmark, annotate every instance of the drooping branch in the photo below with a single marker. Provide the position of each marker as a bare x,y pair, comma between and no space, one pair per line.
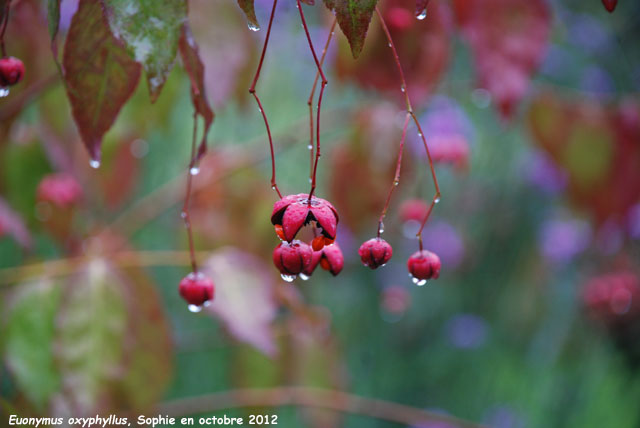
405,91
252,91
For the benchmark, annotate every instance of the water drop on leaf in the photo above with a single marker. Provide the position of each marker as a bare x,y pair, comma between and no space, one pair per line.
422,15
94,163
194,170
253,27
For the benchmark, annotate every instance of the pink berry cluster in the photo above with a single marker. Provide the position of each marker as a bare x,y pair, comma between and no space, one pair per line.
295,258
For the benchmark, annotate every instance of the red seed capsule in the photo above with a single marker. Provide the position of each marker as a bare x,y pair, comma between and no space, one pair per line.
375,252
11,71
197,290
330,258
423,265
294,211
291,259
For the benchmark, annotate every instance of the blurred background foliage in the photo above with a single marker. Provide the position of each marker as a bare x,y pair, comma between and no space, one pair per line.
533,115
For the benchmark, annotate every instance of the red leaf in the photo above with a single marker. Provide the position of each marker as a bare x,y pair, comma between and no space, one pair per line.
195,69
99,74
353,17
423,48
508,39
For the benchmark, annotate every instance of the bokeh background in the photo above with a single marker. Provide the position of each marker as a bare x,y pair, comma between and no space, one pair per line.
532,112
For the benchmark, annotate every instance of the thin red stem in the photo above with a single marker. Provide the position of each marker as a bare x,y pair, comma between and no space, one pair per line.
405,91
322,86
252,91
3,27
311,95
396,178
185,208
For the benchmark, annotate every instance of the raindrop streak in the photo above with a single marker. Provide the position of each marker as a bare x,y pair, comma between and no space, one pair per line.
422,15
418,282
95,164
253,27
195,308
304,277
288,278
194,170
4,92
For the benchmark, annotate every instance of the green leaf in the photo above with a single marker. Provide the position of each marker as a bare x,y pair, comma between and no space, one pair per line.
249,10
195,69
28,340
353,17
99,74
92,327
151,30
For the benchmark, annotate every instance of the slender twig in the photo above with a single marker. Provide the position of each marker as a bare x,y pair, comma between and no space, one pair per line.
323,84
309,397
405,91
252,91
3,27
123,259
311,95
396,177
187,198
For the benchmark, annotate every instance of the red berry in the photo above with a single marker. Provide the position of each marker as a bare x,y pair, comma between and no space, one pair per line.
424,265
294,211
60,189
291,259
375,252
610,5
11,71
197,290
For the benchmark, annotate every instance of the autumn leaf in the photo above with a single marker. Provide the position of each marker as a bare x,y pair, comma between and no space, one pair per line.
247,7
508,39
244,297
195,69
353,17
28,340
99,74
150,29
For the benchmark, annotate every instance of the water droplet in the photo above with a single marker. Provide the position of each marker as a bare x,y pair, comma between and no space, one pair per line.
304,277
436,200
273,187
310,147
310,180
4,92
259,109
381,227
288,278
207,303
402,88
94,163
389,44
183,214
418,282
194,170
419,134
195,308
253,27
396,182
422,15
